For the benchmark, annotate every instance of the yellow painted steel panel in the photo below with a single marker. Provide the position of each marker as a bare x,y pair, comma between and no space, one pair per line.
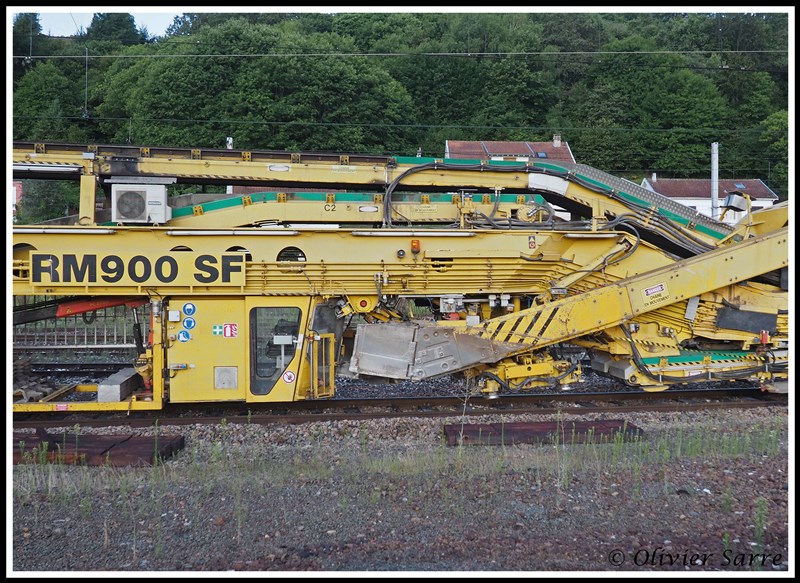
196,350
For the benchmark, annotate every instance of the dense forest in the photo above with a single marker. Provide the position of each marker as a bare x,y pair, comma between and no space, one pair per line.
631,93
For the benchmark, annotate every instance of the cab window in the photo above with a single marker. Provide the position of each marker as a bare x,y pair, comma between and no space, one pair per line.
273,343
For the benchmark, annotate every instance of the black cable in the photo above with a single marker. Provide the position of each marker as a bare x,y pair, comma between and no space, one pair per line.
640,213
388,207
722,375
494,377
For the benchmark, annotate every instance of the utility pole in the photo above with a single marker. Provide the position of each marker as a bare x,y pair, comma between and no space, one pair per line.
229,146
715,180
86,86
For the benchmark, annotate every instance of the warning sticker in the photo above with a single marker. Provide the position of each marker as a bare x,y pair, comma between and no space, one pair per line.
425,208
225,330
654,294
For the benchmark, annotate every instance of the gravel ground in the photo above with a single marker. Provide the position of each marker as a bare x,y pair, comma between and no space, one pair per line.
701,491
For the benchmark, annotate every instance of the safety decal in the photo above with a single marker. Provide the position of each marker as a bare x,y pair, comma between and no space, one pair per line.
225,330
655,294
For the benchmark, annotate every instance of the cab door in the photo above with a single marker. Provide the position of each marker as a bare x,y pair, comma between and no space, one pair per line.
277,361
206,349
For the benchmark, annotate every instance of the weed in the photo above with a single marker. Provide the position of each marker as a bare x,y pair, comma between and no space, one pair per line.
563,465
156,456
617,448
158,545
85,506
43,453
667,487
133,515
760,520
678,443
216,453
23,455
239,509
344,502
375,496
637,477
593,453
726,541
727,500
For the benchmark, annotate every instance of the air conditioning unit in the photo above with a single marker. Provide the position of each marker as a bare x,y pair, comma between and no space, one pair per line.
735,202
139,203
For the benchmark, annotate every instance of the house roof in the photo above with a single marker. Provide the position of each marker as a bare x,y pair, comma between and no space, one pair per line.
701,187
486,150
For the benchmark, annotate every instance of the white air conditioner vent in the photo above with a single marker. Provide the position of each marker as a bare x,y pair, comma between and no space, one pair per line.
139,203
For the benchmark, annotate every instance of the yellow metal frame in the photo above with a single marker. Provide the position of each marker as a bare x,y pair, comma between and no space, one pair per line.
275,169
585,283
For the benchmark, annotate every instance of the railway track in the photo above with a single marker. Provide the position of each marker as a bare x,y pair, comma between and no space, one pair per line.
363,409
90,369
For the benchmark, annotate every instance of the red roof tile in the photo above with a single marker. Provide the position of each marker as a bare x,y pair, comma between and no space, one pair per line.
701,188
485,150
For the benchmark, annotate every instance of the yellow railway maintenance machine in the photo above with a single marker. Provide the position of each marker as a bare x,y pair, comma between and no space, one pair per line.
401,268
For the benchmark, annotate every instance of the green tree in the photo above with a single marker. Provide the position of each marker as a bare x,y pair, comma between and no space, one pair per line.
749,44
689,107
43,200
47,106
775,144
602,125
190,23
277,98
572,38
641,111
28,42
630,92
115,26
513,95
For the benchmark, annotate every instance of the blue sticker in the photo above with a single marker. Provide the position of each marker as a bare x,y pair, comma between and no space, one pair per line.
184,336
189,309
189,323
